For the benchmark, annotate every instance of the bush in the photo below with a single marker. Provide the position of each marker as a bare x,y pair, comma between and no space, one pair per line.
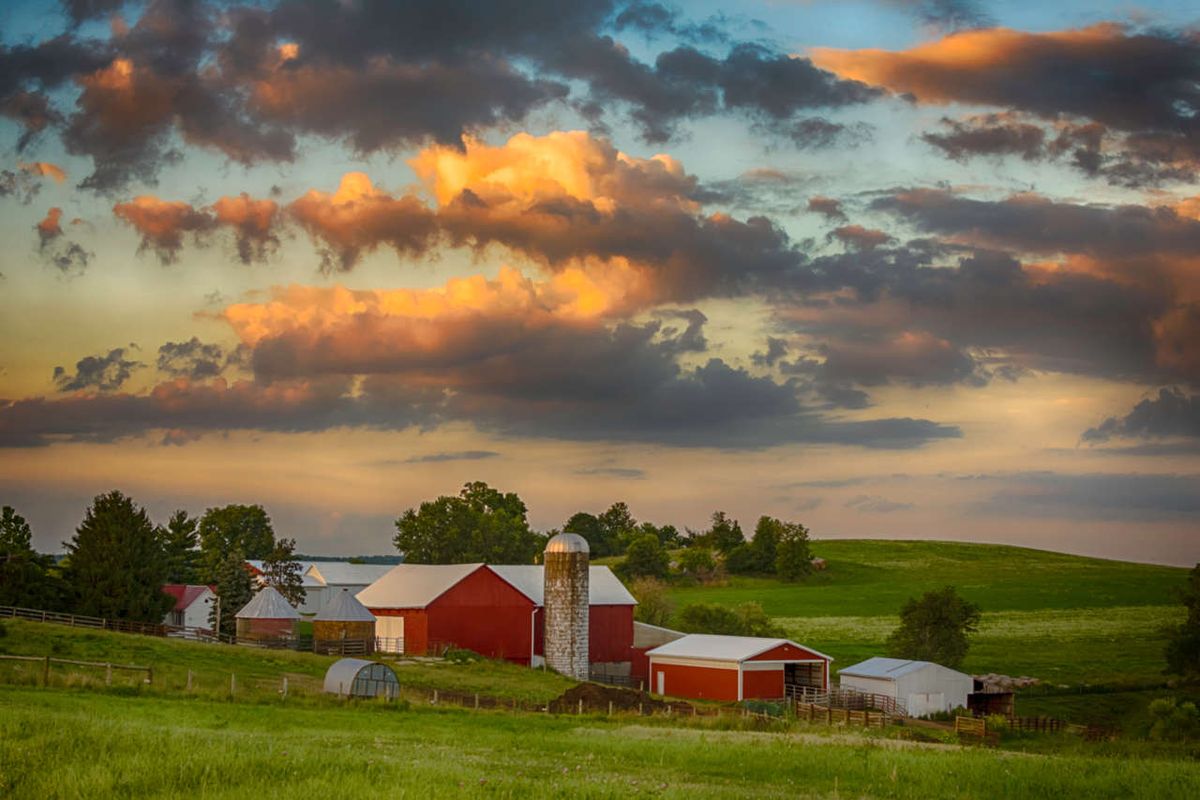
645,558
654,606
1173,720
698,563
748,619
457,655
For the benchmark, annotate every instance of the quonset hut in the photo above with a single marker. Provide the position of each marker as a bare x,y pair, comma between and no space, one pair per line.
356,677
267,616
567,604
344,625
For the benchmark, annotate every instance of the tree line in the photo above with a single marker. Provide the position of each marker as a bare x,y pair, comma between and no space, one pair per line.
118,561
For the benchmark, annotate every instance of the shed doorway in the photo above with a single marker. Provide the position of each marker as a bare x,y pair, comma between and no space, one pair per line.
389,633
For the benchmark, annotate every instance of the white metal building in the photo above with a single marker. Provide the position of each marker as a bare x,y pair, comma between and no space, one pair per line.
922,687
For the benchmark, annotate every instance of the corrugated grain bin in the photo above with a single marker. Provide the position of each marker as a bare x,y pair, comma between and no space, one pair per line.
342,624
268,616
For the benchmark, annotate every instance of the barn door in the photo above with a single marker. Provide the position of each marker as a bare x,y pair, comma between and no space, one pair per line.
662,682
390,634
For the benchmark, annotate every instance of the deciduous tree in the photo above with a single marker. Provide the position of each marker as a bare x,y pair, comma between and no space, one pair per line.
654,605
793,557
645,558
235,588
480,524
1183,648
27,579
283,571
934,627
246,529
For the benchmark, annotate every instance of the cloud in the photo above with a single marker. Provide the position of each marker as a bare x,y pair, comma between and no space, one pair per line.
988,135
876,505
45,170
459,455
629,473
49,228
23,183
946,14
1143,84
1130,497
1172,413
68,257
163,224
194,359
856,237
915,358
253,222
827,207
82,10
106,372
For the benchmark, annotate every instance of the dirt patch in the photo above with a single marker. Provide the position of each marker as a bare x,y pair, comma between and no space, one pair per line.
596,697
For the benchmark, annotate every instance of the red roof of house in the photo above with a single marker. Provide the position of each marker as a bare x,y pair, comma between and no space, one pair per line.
185,595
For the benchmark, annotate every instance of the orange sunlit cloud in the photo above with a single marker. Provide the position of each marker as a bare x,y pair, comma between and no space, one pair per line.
50,227
44,169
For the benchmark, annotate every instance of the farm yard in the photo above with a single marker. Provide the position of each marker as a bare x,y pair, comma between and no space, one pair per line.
1089,629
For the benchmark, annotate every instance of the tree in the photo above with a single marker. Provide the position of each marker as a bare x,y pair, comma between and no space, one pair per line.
654,606
235,588
26,578
1183,648
934,628
246,529
282,570
618,528
179,541
480,524
793,558
645,558
724,534
747,619
698,563
588,526
116,566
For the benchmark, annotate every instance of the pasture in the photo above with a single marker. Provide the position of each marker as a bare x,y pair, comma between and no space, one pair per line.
63,743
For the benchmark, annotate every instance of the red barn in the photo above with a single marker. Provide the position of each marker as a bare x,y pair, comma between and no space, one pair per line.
733,668
495,611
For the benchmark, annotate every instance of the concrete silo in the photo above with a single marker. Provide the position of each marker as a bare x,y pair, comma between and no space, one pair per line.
566,600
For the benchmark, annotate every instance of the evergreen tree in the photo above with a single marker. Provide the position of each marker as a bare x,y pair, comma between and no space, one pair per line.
793,558
116,567
27,579
618,528
235,588
724,534
282,570
935,627
179,542
246,529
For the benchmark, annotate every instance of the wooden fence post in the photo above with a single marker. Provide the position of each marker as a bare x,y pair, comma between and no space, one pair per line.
46,670
610,707
580,711
477,701
639,709
108,674
435,696
149,676
189,682
232,684
285,687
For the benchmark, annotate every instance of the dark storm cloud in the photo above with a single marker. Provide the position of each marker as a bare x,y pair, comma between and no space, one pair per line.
946,14
1094,496
106,372
83,10
992,135
1172,413
193,359
776,349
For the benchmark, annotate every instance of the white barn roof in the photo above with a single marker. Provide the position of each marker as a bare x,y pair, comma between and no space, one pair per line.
344,608
887,668
529,579
413,585
268,604
343,573
712,647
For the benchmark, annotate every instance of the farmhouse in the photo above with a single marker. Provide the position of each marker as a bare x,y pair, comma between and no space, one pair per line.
267,616
919,687
495,610
735,667
192,605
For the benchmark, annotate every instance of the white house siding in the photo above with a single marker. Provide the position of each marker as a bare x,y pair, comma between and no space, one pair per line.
196,615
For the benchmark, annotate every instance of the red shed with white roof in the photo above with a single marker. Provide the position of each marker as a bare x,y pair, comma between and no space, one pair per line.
731,668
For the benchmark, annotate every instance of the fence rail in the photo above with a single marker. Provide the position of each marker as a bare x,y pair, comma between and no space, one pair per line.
970,726
848,699
811,712
107,666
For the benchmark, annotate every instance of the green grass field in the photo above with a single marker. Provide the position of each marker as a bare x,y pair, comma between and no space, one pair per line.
87,744
1063,619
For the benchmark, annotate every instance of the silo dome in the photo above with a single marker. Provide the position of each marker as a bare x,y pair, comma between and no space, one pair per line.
568,543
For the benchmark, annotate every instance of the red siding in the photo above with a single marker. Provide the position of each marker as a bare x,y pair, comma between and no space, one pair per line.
640,666
610,633
416,627
539,632
786,652
701,682
484,613
767,685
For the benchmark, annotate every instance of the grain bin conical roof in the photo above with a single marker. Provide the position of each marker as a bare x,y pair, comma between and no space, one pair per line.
268,604
345,608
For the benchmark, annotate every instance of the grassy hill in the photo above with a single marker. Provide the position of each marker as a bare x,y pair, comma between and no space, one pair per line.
1068,620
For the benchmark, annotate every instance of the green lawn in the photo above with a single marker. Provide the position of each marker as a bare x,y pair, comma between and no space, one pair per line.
62,743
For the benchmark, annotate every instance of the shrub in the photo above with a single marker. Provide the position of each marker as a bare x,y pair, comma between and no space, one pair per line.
654,606
1173,720
698,563
748,619
645,558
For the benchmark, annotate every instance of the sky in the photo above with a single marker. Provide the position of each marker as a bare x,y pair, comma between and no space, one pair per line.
890,268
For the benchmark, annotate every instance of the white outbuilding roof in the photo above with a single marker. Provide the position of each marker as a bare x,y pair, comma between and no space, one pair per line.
712,647
413,585
344,608
886,668
268,604
529,579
